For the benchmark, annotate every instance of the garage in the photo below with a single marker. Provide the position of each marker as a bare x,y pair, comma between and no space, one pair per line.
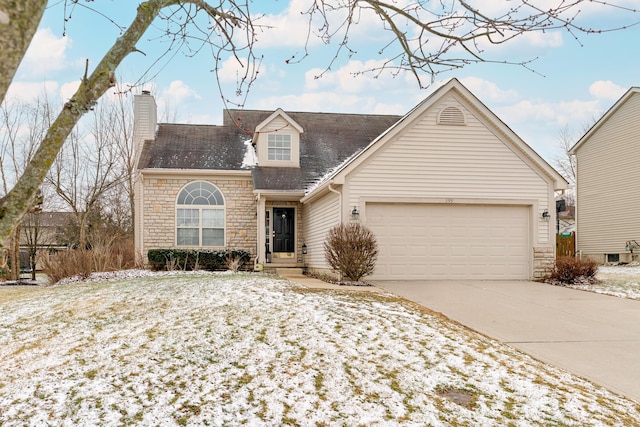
450,241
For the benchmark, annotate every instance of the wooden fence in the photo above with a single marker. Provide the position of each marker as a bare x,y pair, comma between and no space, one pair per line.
566,244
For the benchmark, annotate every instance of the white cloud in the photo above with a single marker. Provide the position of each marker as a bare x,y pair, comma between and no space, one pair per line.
489,91
606,89
544,39
356,77
551,114
234,70
67,90
46,53
27,91
179,92
292,27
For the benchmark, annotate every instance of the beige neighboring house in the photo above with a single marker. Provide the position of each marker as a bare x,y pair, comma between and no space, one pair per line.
42,231
448,189
607,190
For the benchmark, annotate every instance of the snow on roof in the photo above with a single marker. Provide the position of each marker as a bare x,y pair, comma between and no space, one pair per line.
250,157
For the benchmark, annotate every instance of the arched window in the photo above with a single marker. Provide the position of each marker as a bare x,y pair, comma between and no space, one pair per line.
200,215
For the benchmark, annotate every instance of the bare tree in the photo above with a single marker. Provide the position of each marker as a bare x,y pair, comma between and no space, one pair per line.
22,127
121,132
87,168
563,160
431,36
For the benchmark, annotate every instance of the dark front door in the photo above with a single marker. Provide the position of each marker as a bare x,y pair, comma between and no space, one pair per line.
283,230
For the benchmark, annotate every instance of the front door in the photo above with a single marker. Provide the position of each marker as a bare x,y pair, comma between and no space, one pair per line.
283,232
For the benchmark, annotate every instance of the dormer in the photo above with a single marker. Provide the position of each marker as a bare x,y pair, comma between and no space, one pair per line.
277,141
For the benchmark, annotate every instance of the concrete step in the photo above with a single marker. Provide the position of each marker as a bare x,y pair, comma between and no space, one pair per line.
289,271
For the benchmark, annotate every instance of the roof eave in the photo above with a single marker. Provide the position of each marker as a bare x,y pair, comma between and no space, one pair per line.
200,172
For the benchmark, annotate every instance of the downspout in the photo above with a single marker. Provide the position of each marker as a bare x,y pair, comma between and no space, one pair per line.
333,190
260,232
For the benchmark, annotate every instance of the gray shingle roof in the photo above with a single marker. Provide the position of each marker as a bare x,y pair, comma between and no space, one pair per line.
328,139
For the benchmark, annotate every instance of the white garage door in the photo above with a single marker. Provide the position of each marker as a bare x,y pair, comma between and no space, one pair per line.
434,242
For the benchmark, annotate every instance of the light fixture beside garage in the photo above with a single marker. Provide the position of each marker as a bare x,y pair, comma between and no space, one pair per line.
546,216
355,215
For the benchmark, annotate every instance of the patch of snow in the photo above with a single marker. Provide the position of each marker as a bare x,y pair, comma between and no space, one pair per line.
331,173
250,158
248,349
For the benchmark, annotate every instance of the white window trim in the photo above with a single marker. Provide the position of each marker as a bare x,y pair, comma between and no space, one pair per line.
273,138
200,228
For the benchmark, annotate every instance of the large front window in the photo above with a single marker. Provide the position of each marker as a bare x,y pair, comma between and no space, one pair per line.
279,147
200,215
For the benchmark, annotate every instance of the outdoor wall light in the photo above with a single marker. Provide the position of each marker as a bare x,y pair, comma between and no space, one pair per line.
355,215
304,248
546,216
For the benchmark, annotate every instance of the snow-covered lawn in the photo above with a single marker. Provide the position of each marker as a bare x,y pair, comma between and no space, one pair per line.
242,349
620,280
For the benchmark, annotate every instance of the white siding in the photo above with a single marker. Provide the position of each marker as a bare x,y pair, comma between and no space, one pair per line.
451,163
320,216
608,192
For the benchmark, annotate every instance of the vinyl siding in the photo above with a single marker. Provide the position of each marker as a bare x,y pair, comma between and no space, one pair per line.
608,193
320,216
279,125
450,162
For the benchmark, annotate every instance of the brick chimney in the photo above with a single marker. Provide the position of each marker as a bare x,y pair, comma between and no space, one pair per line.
145,119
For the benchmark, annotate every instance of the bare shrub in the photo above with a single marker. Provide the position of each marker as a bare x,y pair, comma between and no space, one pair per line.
69,263
111,255
352,250
570,270
234,263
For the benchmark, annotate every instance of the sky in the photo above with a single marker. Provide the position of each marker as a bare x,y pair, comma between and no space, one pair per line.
569,83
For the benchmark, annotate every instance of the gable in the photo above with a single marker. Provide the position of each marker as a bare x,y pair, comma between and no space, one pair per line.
463,157
464,103
621,117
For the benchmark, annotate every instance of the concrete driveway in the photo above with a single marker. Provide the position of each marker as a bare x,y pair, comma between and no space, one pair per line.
594,336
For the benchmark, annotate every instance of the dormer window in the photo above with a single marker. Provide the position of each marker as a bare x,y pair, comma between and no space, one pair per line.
279,147
277,141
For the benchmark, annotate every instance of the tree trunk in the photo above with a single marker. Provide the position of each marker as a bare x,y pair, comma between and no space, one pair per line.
19,20
14,257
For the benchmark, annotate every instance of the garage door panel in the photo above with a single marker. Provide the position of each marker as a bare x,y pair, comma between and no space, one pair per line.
418,241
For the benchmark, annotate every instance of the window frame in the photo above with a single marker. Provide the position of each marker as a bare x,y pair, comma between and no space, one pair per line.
200,197
273,139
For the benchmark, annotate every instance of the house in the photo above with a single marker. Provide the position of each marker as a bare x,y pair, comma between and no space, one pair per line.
42,231
607,192
448,189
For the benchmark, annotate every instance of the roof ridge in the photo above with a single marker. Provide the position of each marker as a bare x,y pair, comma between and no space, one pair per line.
313,112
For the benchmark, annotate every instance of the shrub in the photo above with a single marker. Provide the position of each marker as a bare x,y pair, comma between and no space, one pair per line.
571,270
104,256
68,263
192,259
351,249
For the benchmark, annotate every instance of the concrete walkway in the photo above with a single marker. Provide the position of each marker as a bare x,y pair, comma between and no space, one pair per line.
592,335
312,283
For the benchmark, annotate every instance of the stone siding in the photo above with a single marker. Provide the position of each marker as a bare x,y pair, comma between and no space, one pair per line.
543,260
159,206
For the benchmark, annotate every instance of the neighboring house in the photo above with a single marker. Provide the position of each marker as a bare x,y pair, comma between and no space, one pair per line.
449,190
43,231
608,195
